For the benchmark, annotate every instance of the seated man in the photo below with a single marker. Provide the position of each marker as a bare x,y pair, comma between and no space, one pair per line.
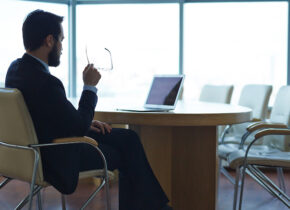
55,117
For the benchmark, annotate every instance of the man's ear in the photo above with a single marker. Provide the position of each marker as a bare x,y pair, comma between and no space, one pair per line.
49,41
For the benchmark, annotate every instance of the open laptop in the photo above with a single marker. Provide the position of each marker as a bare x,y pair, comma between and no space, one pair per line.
162,95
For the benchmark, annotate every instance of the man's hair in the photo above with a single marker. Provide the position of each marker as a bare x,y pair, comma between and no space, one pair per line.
37,26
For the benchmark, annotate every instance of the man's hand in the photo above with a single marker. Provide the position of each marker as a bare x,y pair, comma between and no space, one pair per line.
99,127
91,75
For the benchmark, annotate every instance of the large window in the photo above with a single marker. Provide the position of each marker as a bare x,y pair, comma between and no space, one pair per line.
235,43
143,40
12,15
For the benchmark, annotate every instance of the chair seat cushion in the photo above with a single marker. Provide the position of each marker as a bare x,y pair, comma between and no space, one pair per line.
224,150
270,157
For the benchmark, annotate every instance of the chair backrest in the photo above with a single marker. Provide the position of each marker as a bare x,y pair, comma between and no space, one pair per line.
257,98
16,127
216,93
280,113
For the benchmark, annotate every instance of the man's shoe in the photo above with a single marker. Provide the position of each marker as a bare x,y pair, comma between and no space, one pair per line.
166,207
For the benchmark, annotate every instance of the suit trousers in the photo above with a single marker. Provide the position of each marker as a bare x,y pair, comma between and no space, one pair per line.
138,187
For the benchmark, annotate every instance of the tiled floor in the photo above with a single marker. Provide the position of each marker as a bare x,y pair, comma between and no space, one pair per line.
255,197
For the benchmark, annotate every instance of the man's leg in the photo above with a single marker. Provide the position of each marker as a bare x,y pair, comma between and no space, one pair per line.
138,187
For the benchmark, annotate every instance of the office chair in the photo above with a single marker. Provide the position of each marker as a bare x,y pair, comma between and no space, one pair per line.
248,161
255,97
216,93
19,148
279,119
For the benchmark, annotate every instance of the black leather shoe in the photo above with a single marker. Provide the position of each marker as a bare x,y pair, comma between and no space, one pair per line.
167,207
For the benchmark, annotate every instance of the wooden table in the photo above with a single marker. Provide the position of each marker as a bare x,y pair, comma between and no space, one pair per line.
182,147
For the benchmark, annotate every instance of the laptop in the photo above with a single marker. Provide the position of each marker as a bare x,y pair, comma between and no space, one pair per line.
162,95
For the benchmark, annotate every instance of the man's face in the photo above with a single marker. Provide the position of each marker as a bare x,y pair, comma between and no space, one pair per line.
56,51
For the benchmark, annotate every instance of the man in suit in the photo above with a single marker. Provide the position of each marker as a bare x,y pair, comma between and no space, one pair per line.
55,117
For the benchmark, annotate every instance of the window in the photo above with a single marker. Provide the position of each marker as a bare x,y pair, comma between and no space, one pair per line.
143,40
11,36
224,43
235,43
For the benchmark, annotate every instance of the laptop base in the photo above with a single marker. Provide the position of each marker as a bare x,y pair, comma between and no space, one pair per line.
144,109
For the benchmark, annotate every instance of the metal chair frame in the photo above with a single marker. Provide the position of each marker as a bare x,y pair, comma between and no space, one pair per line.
35,189
258,175
5,181
241,146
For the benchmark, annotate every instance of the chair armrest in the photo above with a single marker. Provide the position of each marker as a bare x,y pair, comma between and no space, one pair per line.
66,141
267,132
75,140
260,125
224,133
84,139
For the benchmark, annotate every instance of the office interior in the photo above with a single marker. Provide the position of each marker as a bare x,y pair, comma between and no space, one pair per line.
230,42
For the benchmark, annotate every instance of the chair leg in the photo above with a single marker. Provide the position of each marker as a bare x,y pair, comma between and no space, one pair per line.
227,175
26,199
104,183
4,182
93,194
281,179
39,202
242,186
218,176
271,186
236,188
63,202
259,177
108,198
32,185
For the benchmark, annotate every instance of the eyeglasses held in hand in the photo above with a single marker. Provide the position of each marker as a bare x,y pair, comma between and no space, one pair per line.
101,68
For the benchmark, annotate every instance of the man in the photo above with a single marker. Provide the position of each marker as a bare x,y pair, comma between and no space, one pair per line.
55,117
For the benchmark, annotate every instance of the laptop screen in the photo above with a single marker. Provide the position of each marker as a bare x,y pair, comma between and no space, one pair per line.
164,90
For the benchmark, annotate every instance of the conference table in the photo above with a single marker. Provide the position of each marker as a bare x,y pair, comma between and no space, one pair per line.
181,146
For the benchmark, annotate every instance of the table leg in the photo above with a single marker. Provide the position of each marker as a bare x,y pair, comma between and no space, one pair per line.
184,160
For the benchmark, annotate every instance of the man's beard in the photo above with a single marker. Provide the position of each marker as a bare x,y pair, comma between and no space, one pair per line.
53,58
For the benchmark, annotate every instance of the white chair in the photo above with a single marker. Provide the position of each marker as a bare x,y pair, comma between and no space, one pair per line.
248,161
216,93
255,97
19,149
279,118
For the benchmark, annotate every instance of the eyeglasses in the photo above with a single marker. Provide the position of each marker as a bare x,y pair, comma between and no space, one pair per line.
102,68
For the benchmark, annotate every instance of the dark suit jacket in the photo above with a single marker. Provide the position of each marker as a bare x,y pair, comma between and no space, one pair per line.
53,117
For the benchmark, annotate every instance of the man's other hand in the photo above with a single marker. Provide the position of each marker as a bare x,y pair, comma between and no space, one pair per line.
100,127
91,75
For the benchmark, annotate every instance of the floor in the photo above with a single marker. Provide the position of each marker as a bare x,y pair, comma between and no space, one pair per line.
255,197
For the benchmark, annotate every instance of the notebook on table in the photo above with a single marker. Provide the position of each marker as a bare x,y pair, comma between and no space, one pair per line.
162,95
